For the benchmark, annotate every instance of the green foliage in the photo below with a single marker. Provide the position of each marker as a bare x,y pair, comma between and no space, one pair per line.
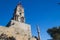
54,33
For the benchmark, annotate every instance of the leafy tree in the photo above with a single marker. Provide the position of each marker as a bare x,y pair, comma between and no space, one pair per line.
54,33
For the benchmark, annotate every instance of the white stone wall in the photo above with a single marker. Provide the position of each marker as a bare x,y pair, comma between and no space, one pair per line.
18,30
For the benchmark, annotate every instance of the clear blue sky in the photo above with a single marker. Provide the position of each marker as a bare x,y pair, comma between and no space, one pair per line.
46,13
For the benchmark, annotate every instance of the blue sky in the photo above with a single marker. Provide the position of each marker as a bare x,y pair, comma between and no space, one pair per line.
45,13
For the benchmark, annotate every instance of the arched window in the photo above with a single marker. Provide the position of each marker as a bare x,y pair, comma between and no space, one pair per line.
22,19
20,13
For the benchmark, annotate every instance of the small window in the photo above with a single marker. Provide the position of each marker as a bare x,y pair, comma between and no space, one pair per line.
20,13
22,19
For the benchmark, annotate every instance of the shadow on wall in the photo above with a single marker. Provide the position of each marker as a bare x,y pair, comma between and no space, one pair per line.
5,37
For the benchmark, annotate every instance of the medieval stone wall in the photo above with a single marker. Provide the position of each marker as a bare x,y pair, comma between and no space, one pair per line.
20,31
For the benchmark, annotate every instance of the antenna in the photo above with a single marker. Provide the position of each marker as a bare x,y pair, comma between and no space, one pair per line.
38,31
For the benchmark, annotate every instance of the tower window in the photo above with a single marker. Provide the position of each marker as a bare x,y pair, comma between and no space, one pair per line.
22,19
20,13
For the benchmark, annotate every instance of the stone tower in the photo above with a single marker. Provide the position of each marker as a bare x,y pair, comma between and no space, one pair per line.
19,13
17,27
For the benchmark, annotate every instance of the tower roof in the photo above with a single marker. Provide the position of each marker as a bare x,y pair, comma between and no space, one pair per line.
19,3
